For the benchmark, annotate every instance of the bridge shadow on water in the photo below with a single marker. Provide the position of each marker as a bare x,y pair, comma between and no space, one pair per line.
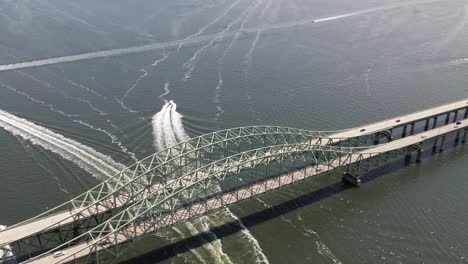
230,228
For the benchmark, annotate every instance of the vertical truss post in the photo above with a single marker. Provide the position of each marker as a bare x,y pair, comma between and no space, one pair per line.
403,134
447,119
455,117
435,122
412,128
426,126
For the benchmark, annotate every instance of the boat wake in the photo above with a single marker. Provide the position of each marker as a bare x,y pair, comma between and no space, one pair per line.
211,38
97,164
168,130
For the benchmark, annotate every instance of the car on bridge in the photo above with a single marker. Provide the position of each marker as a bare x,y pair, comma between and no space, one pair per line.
59,254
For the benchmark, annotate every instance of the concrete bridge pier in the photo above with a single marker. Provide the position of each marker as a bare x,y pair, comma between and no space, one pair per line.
419,155
464,136
351,179
441,148
457,137
408,157
434,146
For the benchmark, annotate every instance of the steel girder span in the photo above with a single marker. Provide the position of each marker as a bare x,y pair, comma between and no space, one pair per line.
204,189
137,181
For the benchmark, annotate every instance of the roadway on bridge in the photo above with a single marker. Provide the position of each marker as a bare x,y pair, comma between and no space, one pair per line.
83,249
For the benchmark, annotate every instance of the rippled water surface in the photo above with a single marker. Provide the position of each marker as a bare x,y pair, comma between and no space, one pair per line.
87,87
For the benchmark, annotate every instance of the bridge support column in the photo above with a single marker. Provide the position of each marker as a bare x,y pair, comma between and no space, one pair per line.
419,155
464,136
403,134
441,149
435,122
457,137
455,117
447,119
426,126
466,113
434,147
351,179
412,128
408,158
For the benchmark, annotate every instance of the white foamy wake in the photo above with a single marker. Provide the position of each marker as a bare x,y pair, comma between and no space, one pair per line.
189,66
219,86
248,56
158,133
199,32
197,255
168,130
85,88
114,139
197,39
217,98
166,92
261,257
325,251
137,81
216,244
122,104
168,127
458,62
90,105
245,18
97,164
29,97
213,249
145,73
164,57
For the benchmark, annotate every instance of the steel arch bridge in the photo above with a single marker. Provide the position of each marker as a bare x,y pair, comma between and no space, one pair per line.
213,186
139,180
190,179
215,170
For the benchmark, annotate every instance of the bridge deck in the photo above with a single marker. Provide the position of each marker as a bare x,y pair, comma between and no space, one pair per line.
10,235
404,119
81,250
